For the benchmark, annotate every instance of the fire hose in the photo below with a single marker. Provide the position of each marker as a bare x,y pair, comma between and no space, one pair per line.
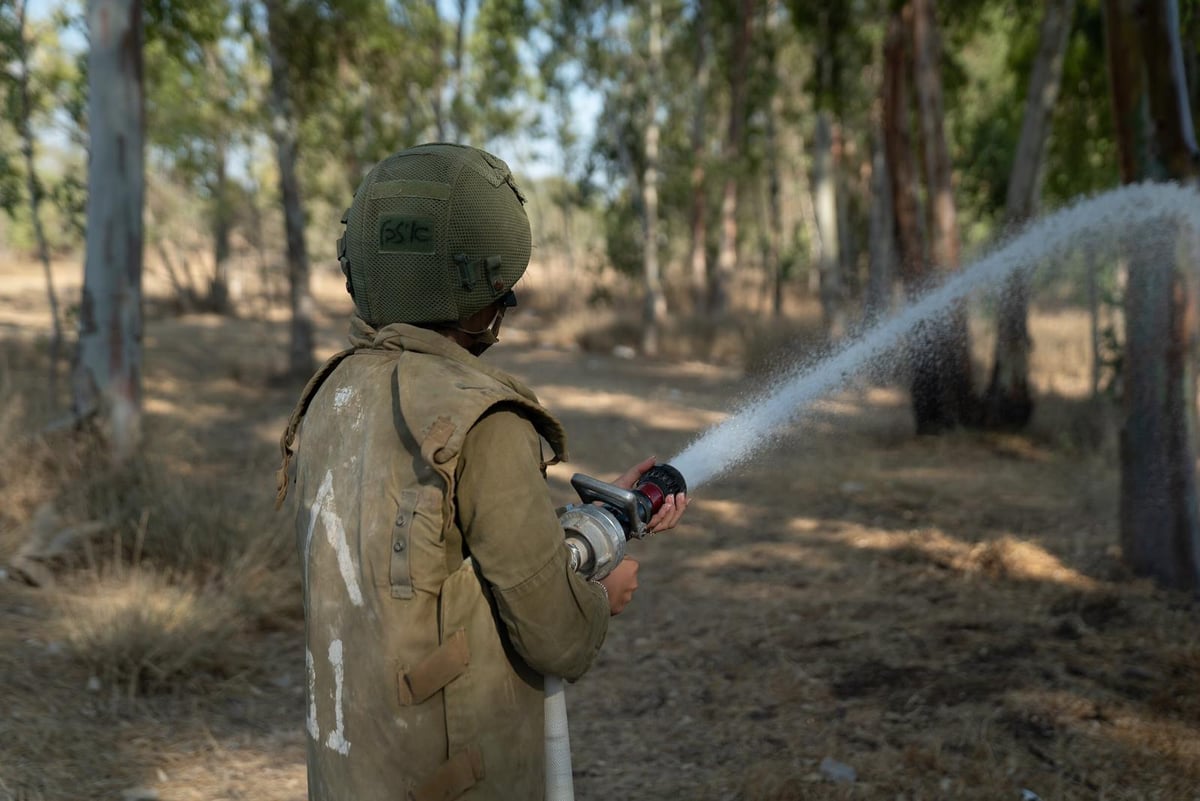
597,530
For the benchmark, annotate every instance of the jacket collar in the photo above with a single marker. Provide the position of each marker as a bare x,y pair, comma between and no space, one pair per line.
414,339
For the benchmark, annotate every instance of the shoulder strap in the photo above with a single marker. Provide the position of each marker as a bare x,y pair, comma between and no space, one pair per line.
289,434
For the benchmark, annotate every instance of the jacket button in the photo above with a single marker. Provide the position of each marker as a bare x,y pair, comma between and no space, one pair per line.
400,519
398,547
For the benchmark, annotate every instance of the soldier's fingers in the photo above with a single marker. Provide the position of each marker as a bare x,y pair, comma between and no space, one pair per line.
681,504
676,513
667,515
630,476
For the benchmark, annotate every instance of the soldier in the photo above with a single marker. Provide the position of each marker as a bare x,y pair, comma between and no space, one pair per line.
437,590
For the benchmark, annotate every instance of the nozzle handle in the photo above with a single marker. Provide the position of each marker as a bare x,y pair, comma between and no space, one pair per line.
593,489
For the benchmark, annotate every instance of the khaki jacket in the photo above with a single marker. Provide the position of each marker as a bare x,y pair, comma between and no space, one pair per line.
437,591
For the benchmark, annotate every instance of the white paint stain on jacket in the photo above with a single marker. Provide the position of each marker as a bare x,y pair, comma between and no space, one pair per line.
314,730
344,400
323,508
337,738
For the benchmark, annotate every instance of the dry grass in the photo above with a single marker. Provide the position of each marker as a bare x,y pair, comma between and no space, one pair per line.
145,630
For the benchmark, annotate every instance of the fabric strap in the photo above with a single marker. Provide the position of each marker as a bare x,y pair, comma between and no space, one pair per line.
456,775
444,665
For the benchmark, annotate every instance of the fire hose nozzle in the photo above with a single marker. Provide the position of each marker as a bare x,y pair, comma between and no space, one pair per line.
607,515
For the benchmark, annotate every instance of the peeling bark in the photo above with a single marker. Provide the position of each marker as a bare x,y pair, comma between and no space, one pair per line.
107,377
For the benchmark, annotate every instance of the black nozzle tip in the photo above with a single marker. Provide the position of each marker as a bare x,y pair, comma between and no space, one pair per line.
665,477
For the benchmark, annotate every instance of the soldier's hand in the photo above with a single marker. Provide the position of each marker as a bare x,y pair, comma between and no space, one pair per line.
620,584
673,505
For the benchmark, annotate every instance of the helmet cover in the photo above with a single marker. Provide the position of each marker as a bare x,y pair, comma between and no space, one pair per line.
435,233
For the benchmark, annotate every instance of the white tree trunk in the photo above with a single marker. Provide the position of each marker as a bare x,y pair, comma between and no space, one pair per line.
698,247
655,310
108,372
826,203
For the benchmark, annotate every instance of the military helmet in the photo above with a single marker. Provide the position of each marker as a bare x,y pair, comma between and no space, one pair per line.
435,233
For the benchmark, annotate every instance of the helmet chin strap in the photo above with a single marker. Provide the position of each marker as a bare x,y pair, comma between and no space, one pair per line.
485,337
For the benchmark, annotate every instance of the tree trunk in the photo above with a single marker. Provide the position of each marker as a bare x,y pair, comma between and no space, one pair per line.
438,89
1127,90
1170,106
1007,402
1091,265
898,149
942,369
881,265
34,187
832,287
1160,522
1160,528
458,117
727,255
283,131
774,262
108,371
218,288
698,217
655,309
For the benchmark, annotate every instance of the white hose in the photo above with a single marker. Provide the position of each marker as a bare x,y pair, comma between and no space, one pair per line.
560,786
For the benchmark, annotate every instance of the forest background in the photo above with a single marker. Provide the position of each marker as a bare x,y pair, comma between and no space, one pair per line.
717,189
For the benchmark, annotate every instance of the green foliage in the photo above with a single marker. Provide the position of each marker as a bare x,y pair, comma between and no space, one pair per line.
997,52
1082,153
10,184
499,77
843,37
184,28
37,77
989,104
623,235
369,77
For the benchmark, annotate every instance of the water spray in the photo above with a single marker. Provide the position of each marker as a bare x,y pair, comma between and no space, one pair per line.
597,529
1102,220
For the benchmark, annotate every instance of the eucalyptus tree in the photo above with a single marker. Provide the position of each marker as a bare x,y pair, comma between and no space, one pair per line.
107,378
284,21
831,28
940,360
1160,509
744,13
1007,401
302,42
702,68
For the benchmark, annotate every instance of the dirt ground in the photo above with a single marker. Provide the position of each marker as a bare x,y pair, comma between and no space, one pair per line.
857,614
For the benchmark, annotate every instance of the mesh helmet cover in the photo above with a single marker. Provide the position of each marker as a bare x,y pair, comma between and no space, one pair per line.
434,234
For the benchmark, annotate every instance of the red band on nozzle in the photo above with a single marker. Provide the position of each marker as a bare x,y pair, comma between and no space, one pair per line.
654,494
